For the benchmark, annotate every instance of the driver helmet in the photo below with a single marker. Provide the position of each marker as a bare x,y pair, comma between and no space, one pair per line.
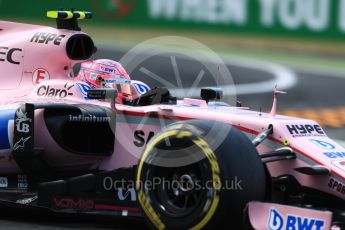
105,73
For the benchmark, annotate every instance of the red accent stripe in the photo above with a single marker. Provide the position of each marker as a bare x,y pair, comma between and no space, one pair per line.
115,208
152,115
247,130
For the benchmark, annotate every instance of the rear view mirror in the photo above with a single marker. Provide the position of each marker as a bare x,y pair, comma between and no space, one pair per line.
209,94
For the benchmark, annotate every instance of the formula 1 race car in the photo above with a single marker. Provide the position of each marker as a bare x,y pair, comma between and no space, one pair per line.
68,148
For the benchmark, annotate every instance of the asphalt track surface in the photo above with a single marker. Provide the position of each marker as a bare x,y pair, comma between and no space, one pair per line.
313,90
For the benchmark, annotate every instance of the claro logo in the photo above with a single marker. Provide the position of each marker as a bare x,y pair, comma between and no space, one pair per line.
50,91
73,204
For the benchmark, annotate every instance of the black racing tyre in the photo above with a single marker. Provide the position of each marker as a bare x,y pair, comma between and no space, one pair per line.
199,175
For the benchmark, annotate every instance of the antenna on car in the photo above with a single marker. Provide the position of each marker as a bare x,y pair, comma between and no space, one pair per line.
276,92
69,19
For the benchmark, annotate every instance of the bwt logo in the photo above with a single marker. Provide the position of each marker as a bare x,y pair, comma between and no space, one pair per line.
334,155
305,130
292,222
108,70
322,144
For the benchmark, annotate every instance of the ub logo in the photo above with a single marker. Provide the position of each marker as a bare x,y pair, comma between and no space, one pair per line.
21,122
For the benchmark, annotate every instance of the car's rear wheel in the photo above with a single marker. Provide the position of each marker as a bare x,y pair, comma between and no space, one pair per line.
198,174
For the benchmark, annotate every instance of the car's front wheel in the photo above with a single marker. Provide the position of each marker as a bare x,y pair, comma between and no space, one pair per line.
198,174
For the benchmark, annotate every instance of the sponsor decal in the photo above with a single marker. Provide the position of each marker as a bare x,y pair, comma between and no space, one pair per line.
73,204
123,194
23,137
47,38
117,81
322,144
141,139
141,87
40,75
6,55
27,200
51,91
84,88
334,155
22,182
305,130
21,122
7,116
88,118
3,182
278,222
336,186
107,69
20,144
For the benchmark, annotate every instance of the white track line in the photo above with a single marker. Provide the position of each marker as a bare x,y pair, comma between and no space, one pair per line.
283,76
320,71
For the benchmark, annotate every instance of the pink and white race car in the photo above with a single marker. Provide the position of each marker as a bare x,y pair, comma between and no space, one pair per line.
67,148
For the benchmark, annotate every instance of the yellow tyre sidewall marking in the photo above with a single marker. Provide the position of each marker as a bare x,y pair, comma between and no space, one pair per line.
216,181
145,203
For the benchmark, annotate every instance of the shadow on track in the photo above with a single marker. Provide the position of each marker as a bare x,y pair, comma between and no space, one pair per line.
26,218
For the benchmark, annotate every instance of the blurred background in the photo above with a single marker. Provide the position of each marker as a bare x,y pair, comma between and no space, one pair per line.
297,44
